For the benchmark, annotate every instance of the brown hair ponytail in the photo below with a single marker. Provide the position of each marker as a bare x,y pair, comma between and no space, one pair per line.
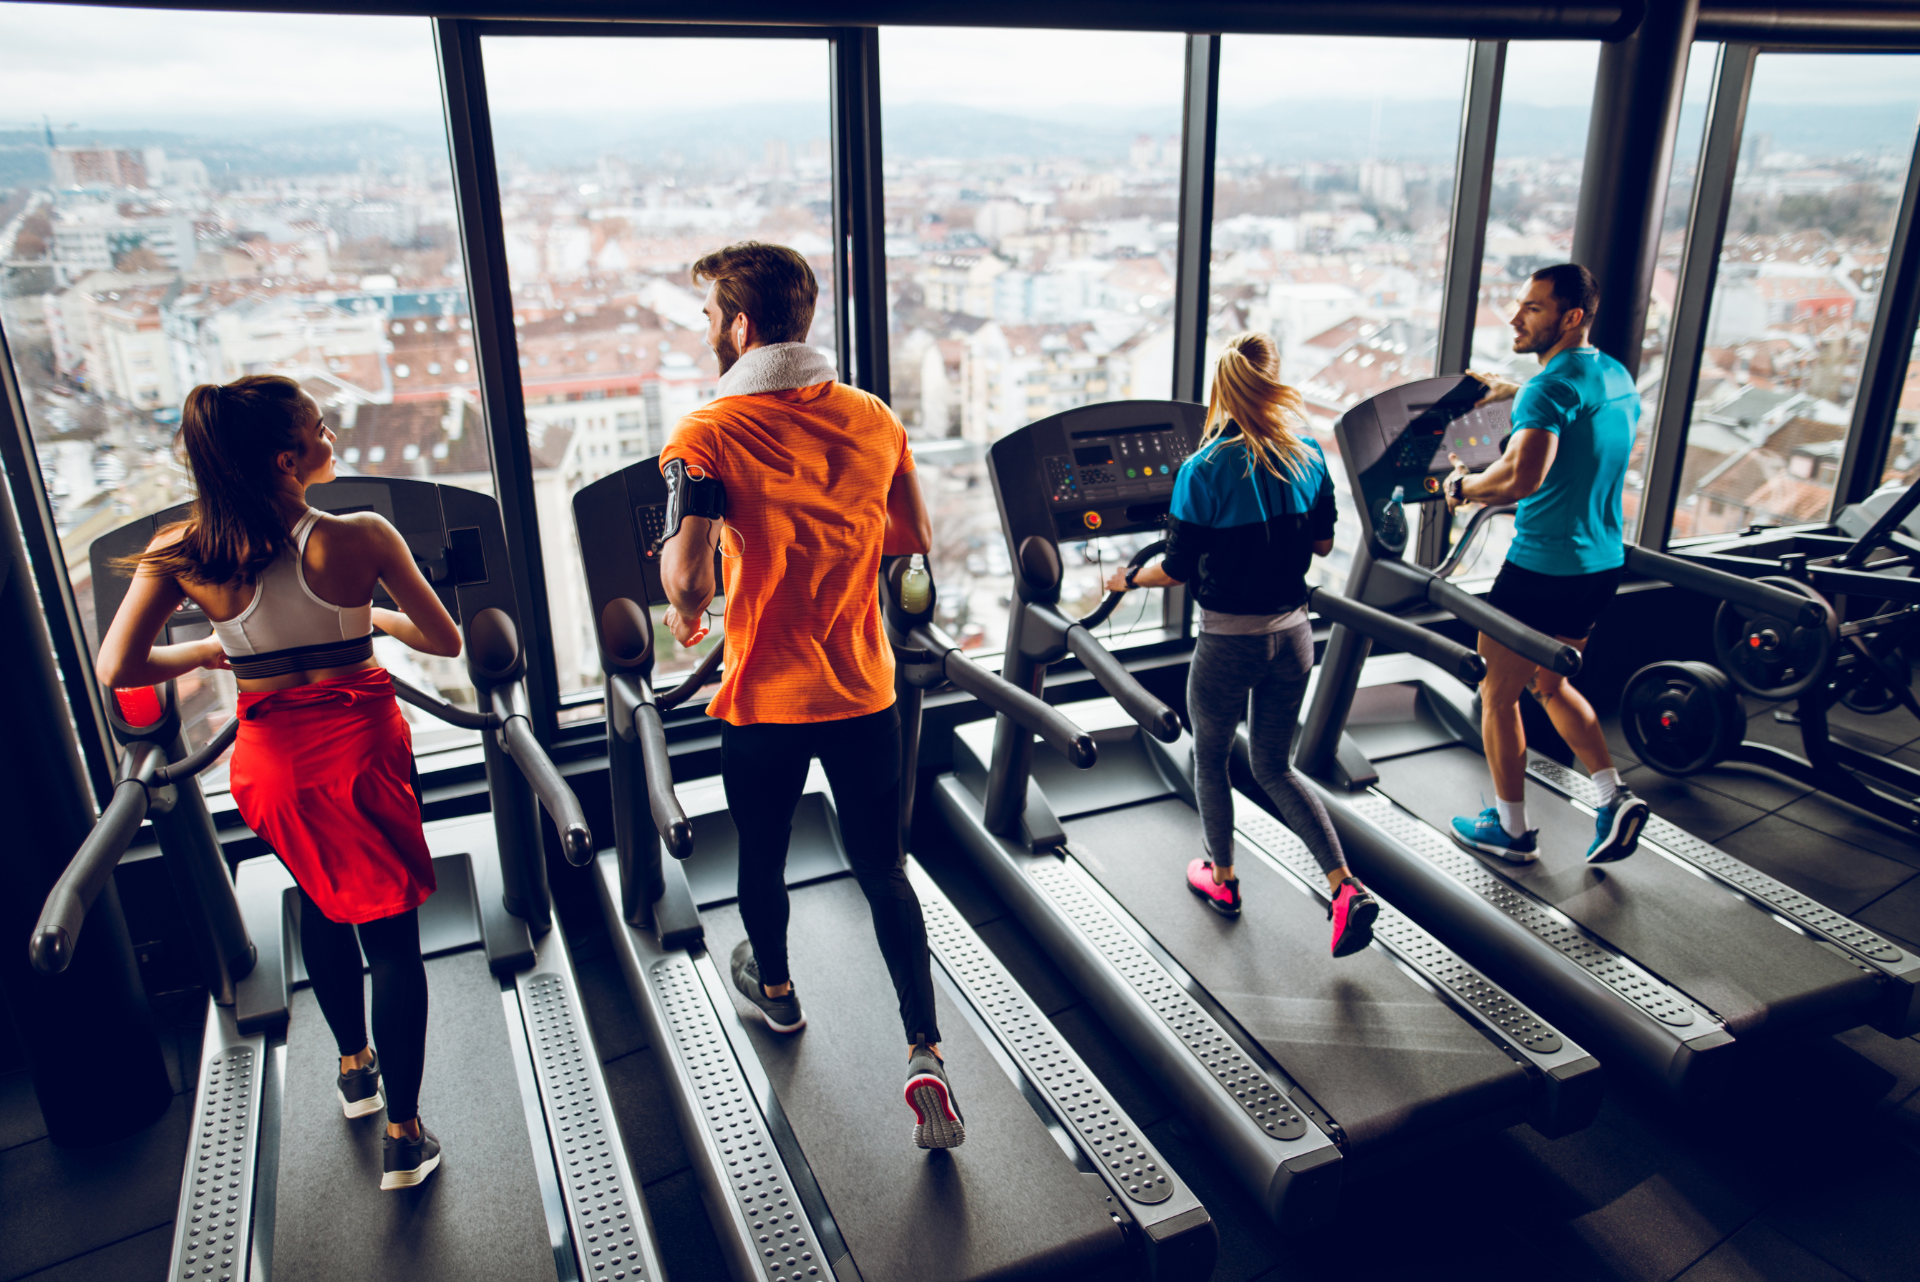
233,435
1247,391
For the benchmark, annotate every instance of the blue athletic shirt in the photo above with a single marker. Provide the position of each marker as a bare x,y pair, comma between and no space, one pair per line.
1243,543
1571,524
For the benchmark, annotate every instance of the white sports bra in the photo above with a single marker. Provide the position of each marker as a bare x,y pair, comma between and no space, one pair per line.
295,631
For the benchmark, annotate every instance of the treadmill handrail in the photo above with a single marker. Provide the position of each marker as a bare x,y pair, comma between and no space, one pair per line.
668,700
200,758
518,742
447,712
1454,558
1708,581
87,873
1556,656
1001,695
634,709
1381,626
1153,716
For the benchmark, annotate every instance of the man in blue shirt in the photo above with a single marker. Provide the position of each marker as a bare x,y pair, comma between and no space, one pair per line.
1564,466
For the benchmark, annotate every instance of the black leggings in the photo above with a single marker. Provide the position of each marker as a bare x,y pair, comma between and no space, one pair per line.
764,767
399,995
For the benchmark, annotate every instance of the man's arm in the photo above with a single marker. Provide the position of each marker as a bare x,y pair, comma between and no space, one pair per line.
686,572
1515,474
909,528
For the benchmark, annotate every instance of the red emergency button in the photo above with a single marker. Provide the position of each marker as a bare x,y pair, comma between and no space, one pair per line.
1091,520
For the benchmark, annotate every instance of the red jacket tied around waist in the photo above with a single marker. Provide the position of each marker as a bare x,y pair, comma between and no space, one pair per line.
323,773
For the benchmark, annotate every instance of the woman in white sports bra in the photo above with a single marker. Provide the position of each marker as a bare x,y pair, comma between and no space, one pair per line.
323,761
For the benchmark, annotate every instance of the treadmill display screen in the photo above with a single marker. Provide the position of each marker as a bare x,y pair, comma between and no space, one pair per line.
1117,463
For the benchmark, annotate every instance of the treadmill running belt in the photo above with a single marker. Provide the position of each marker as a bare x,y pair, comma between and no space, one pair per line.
1005,1205
1379,1052
1697,936
479,1217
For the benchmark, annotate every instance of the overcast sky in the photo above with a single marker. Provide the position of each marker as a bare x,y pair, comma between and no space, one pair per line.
168,69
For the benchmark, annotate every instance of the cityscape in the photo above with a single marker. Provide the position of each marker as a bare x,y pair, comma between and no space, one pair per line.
1029,270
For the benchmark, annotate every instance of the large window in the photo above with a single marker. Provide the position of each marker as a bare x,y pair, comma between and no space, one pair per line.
1823,161
187,211
1903,451
623,160
1331,213
1031,205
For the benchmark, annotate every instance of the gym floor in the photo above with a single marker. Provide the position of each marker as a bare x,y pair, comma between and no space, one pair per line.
1806,1169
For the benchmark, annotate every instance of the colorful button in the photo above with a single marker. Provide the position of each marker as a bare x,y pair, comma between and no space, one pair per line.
1091,520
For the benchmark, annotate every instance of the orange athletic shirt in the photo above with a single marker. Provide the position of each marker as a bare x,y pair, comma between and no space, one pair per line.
806,473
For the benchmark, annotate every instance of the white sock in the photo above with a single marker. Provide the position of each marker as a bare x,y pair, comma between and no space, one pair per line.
1513,817
1608,782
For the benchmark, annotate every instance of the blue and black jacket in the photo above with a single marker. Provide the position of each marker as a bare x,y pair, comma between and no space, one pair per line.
1241,542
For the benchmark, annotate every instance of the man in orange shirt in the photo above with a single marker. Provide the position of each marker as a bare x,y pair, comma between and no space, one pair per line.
819,484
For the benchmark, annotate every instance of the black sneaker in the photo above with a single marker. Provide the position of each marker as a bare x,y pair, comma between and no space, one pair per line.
359,1091
1616,828
937,1120
782,1014
407,1162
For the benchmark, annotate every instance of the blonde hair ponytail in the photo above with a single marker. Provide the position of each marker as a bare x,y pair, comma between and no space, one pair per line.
1248,392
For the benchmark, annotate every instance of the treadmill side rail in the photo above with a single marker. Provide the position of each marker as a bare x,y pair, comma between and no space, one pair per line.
1180,1244
602,1199
1292,1168
1901,969
1567,1081
693,1046
213,1230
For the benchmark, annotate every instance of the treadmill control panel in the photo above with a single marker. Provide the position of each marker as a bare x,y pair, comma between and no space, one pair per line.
1400,441
1109,469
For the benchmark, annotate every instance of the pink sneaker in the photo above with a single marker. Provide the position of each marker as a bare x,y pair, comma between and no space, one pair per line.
1222,897
1352,911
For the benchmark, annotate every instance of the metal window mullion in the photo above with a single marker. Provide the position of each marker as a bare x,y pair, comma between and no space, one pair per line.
1472,197
1699,269
859,212
476,189
1199,124
1883,370
49,566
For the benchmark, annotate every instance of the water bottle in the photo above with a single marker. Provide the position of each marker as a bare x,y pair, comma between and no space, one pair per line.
916,586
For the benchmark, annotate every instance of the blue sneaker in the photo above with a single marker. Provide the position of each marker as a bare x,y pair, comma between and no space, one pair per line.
1616,828
1484,834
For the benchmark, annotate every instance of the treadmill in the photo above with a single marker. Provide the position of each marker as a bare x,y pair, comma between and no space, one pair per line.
1303,1072
1669,961
801,1143
535,1182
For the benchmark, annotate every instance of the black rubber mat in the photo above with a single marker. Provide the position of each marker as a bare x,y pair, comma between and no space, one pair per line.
478,1217
1385,1057
1007,1204
1740,963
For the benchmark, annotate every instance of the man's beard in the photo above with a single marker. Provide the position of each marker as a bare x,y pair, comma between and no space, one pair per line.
1523,344
726,352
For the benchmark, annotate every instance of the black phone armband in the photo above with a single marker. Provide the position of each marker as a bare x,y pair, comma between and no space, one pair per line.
690,492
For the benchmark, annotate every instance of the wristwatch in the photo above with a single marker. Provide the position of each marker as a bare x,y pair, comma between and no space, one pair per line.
1456,487
1131,571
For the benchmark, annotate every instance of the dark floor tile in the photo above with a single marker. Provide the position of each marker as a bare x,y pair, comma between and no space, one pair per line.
1128,1083
1032,969
1899,1057
139,1258
618,1029
689,1251
1896,914
1703,812
1855,1210
1841,875
1752,785
1758,1253
638,1090
1848,823
1769,728
20,1120
1897,726
61,1202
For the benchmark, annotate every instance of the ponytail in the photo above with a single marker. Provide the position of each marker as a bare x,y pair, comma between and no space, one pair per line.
233,436
1247,392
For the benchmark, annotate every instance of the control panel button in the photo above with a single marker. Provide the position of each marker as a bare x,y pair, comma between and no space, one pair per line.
1091,520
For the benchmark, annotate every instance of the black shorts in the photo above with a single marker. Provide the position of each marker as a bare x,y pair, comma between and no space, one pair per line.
1560,605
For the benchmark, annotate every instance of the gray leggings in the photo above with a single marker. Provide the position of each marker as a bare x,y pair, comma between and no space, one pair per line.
1272,668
